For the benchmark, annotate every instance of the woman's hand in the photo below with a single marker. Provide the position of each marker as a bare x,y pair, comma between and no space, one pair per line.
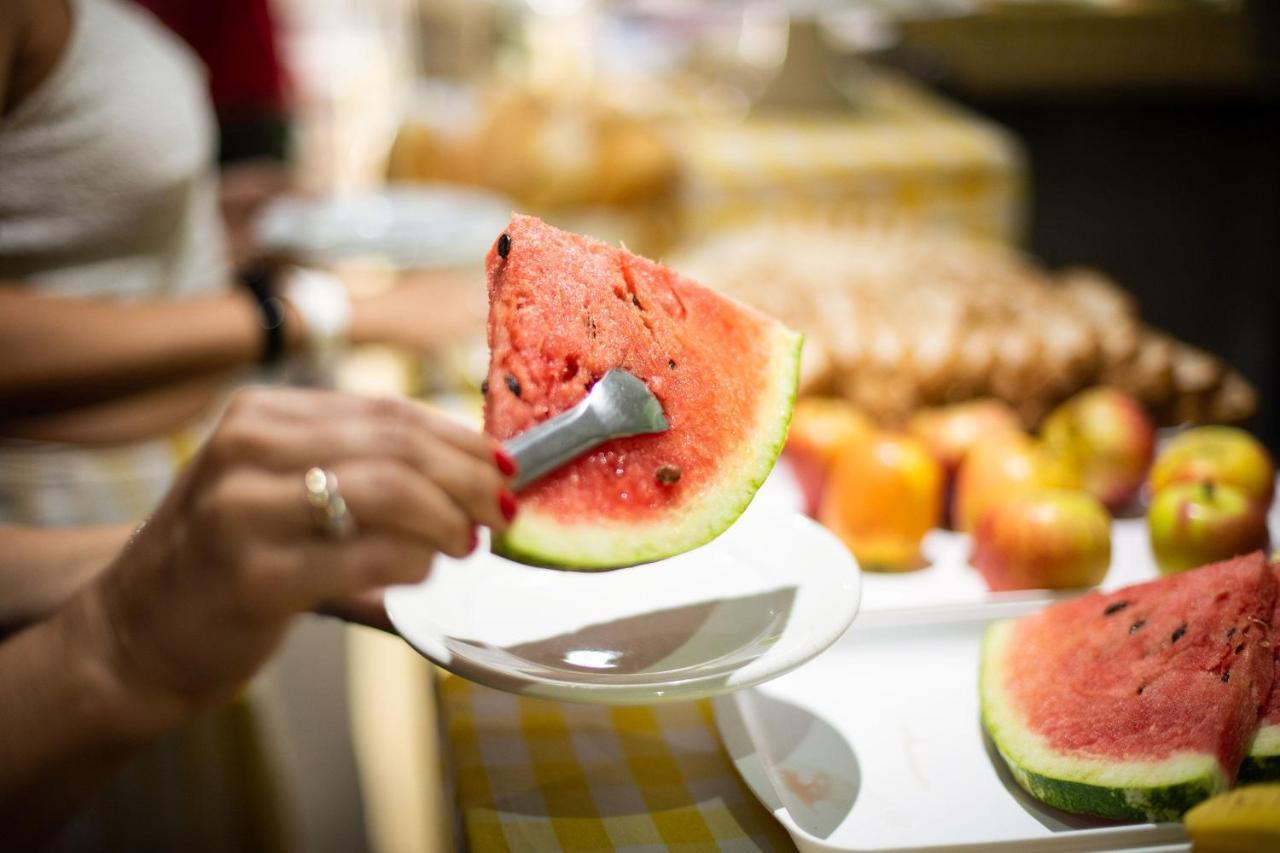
204,592
423,310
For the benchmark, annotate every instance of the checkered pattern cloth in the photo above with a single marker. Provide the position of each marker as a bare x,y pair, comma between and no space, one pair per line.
899,151
534,774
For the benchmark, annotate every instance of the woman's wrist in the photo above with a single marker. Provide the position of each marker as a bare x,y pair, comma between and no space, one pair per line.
120,707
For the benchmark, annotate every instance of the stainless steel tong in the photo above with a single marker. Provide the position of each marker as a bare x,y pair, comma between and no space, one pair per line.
618,405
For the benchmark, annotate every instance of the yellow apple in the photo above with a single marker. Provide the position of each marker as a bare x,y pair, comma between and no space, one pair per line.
1043,539
884,495
1001,465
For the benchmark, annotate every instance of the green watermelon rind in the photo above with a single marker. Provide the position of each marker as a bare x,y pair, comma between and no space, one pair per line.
1262,763
1122,790
540,539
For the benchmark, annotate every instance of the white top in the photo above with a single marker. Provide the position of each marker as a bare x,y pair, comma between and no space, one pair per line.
107,182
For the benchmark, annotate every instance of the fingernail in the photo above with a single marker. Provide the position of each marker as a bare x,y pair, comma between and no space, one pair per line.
507,503
505,463
475,541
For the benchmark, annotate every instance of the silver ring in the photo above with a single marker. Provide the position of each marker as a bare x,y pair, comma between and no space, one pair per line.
328,509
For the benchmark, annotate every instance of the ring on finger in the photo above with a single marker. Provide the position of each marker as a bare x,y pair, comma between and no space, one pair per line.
329,510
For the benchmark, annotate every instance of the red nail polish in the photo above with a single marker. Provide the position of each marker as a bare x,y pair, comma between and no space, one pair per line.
507,503
505,463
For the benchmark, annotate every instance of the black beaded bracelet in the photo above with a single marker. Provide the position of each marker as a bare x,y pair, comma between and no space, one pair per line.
260,282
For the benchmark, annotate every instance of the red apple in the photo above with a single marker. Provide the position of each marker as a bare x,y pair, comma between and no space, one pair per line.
1043,539
1226,455
1001,465
884,495
820,426
1192,524
1111,439
949,431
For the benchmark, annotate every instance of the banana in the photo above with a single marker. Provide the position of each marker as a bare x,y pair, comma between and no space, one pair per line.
1244,820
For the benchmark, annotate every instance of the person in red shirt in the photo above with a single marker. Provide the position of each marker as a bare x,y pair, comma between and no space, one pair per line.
236,40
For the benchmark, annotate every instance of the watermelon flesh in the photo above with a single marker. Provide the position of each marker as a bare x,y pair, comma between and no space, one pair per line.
563,310
1262,763
1138,703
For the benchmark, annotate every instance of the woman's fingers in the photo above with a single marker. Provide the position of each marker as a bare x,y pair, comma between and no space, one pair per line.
302,413
305,574
381,497
363,608
467,465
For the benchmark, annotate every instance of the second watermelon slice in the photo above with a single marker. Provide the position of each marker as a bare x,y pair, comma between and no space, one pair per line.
1138,703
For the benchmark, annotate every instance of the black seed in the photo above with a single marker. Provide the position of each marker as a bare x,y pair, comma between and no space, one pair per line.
1115,608
1178,632
1239,648
671,364
513,385
1141,687
1136,626
1231,632
1226,676
504,246
668,475
635,301
484,386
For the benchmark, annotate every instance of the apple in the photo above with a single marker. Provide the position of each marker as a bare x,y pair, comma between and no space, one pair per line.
884,494
1111,439
1226,455
949,431
1192,524
1043,539
820,426
1001,465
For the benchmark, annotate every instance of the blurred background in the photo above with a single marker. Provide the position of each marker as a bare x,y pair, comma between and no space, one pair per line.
951,198
1123,150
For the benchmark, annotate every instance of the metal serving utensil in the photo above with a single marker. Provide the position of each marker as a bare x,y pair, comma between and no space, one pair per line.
618,405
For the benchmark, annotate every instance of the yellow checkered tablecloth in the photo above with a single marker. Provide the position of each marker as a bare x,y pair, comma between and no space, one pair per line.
899,151
532,774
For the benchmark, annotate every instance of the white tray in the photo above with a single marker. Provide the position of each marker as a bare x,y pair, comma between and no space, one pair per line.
877,745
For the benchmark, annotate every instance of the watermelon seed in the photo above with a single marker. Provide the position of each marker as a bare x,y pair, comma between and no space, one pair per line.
484,386
513,385
1141,687
668,475
671,364
1115,608
1136,626
1239,648
1226,676
1231,632
504,246
1178,632
636,302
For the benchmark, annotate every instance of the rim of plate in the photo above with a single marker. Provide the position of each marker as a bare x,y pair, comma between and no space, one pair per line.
799,641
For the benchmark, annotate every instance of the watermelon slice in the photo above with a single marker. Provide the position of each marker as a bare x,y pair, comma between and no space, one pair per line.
563,310
1134,704
1262,763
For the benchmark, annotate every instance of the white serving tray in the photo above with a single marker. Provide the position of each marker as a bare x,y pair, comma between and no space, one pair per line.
876,744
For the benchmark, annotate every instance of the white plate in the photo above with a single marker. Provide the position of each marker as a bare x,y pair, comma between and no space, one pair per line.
877,745
410,226
769,594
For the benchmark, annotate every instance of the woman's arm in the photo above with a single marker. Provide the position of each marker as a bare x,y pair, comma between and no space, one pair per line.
41,568
70,719
206,590
60,353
